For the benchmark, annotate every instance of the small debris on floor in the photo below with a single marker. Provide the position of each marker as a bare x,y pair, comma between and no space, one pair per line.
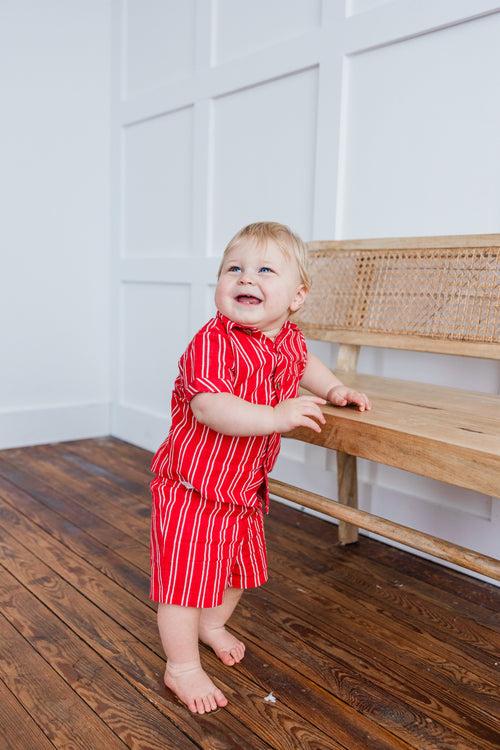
270,698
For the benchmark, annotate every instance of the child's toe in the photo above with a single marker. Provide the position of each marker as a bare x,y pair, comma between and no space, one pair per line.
212,702
220,697
227,657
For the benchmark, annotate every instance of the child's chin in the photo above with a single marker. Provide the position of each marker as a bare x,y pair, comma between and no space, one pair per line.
249,318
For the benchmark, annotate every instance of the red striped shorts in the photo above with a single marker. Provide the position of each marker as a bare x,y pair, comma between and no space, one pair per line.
200,547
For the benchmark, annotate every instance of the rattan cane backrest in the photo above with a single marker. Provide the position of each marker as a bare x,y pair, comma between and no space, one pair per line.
439,294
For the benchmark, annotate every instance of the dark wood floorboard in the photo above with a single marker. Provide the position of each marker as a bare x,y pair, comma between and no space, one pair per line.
365,647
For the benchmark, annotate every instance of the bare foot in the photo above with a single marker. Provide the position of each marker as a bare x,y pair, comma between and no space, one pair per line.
193,686
228,648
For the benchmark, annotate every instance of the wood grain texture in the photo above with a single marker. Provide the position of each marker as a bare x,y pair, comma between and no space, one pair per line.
17,727
347,483
480,349
409,243
444,433
347,476
354,660
68,721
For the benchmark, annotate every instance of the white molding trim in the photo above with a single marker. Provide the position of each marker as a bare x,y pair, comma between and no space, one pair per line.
167,270
277,61
387,24
53,424
401,20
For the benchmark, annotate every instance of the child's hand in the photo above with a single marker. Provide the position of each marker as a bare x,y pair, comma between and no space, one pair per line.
297,412
341,395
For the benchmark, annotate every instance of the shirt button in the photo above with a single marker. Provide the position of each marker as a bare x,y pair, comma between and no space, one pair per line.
277,386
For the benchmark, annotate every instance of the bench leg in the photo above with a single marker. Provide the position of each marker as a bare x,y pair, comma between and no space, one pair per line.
347,494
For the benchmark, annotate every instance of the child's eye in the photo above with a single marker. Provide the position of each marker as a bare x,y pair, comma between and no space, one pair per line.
266,268
233,268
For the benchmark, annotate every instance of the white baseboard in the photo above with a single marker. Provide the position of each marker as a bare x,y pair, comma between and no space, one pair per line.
53,424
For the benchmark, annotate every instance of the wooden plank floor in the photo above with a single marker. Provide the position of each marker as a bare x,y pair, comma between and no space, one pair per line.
365,647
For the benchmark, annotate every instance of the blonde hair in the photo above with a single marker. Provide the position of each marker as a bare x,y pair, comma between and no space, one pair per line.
289,242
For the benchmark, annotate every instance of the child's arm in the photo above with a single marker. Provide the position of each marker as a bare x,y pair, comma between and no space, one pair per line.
318,379
231,415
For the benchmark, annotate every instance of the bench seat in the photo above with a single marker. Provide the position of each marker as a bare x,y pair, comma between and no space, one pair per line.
448,434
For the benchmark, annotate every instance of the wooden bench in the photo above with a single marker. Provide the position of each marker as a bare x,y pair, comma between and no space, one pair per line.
429,294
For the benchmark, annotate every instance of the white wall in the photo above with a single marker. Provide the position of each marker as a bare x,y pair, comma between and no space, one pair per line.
54,231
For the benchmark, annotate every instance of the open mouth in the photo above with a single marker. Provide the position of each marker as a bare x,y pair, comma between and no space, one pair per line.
248,299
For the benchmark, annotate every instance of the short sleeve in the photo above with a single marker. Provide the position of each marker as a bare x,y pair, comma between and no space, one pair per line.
206,366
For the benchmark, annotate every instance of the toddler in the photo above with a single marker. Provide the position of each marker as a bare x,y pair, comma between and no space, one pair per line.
235,394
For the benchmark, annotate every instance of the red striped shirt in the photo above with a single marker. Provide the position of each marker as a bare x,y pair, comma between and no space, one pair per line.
226,357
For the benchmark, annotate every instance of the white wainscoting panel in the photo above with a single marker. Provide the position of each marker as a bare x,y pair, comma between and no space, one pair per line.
242,28
264,155
154,335
158,43
158,185
423,144
360,6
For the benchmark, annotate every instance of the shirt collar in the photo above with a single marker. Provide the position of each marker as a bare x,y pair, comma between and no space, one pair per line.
230,324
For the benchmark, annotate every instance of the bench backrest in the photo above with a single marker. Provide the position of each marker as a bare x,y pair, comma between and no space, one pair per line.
435,294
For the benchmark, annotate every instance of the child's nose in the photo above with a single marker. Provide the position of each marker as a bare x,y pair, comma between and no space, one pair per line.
247,277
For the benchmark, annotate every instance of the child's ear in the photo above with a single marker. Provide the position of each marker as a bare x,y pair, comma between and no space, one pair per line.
299,298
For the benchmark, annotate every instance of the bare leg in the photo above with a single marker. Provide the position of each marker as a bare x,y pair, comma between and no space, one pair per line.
212,631
184,674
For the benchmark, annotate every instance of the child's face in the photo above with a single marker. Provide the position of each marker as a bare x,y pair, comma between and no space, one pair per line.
259,286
